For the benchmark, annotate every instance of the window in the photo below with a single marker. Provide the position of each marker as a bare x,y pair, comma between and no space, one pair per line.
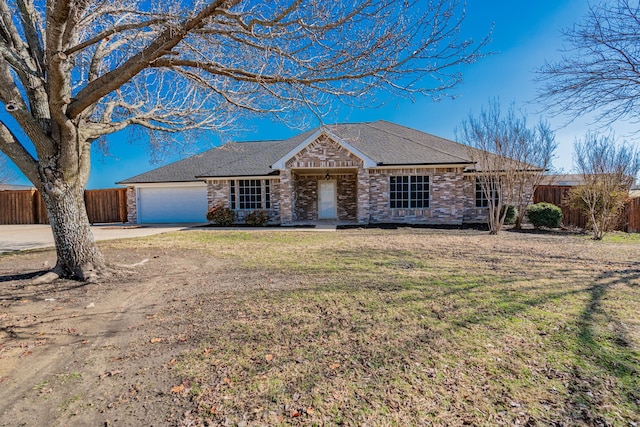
409,192
247,194
481,198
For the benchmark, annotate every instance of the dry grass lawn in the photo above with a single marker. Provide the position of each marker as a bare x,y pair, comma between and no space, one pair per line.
367,327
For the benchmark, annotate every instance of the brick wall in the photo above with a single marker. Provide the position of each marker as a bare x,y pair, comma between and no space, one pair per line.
132,206
471,213
474,215
219,193
286,197
446,196
324,153
306,201
347,189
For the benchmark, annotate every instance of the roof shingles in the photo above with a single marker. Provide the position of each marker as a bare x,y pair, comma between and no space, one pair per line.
384,142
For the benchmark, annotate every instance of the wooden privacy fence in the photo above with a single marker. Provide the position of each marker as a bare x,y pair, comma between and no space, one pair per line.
633,216
106,205
22,207
557,194
27,206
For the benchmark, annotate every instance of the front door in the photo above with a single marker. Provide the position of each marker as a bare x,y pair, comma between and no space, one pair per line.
327,200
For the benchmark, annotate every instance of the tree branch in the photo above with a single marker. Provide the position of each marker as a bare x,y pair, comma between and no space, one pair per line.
30,19
163,45
106,34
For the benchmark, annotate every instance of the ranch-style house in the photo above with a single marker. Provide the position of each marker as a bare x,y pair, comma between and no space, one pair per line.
363,173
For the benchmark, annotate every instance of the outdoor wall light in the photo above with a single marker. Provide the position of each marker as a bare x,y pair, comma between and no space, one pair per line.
327,176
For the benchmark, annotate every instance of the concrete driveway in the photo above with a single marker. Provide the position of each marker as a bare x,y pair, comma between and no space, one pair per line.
32,236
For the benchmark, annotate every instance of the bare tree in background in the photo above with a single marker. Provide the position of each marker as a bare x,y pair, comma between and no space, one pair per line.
73,71
510,159
600,70
608,171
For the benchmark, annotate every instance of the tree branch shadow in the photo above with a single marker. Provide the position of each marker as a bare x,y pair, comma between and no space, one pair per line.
605,350
22,276
21,286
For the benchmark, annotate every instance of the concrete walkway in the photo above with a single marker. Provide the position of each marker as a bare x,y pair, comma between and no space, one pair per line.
33,236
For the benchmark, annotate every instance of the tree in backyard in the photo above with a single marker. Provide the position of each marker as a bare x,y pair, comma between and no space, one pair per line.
510,159
600,70
608,170
74,71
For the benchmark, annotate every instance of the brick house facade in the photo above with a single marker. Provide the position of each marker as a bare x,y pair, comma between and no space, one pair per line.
355,174
362,194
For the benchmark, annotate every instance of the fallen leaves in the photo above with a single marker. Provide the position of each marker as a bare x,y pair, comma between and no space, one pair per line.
110,373
183,387
156,340
178,388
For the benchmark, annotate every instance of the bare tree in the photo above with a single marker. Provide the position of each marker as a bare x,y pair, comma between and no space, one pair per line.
510,159
73,71
600,70
608,171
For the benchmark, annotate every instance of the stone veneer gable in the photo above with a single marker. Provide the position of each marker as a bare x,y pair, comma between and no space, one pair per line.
324,152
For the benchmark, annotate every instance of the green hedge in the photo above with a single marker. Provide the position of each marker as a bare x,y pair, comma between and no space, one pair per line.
544,215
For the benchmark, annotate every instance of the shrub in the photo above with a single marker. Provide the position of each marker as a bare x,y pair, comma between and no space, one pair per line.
221,215
257,218
512,214
603,208
544,215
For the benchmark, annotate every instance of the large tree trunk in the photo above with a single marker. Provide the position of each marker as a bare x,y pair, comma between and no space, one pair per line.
78,255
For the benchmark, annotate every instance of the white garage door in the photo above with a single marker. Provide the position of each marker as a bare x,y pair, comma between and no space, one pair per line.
180,204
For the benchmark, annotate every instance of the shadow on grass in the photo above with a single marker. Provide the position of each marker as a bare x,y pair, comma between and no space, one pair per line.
604,350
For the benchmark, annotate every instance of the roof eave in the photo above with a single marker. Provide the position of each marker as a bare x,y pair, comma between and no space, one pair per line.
273,173
430,164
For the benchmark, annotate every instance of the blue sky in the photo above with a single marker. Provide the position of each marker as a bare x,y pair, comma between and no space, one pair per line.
524,35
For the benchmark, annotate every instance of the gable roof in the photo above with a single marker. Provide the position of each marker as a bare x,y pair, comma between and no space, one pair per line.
280,163
380,143
391,144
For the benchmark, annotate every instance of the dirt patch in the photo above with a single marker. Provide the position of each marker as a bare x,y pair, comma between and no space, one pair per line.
355,327
96,354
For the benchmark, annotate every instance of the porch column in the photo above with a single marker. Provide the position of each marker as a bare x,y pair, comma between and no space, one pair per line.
363,196
132,205
286,197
